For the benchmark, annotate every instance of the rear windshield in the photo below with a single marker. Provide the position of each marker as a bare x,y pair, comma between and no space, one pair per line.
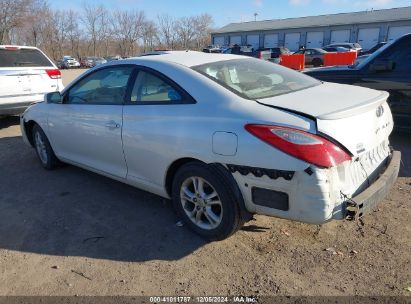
255,78
23,58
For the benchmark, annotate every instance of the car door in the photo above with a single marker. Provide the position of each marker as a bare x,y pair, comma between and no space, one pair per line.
86,127
308,56
395,80
157,111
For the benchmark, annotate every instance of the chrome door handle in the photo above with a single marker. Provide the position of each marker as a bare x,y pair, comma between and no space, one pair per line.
112,125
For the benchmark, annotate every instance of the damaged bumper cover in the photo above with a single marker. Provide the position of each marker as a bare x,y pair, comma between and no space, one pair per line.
359,205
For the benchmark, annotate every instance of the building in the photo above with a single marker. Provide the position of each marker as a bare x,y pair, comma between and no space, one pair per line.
367,28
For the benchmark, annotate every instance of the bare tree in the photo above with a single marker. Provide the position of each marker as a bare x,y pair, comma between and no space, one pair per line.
203,27
167,30
12,15
128,27
149,36
73,32
94,22
97,31
185,31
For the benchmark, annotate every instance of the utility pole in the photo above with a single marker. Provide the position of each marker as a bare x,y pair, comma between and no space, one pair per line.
255,16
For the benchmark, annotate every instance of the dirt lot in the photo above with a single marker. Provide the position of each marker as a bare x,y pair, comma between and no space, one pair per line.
72,232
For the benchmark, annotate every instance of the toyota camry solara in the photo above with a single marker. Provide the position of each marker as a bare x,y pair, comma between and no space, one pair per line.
224,137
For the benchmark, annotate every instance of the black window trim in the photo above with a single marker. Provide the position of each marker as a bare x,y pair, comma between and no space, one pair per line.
186,97
66,93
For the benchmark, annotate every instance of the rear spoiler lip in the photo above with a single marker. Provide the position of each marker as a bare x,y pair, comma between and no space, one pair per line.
358,109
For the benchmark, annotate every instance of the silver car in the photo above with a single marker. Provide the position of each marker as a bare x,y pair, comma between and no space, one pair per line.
224,137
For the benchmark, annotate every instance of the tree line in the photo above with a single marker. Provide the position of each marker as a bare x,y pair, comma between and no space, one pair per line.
96,30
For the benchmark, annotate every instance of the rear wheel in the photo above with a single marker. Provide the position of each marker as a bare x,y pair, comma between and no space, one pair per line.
317,62
43,149
205,201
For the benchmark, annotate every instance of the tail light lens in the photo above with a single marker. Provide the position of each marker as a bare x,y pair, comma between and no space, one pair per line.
308,147
54,74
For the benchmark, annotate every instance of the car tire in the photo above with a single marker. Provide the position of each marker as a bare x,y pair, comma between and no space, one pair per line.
317,62
205,201
43,149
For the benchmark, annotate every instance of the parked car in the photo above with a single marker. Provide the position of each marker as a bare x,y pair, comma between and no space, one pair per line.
90,62
212,49
388,69
276,52
335,49
111,58
352,46
373,49
314,56
61,64
70,62
26,74
224,137
248,50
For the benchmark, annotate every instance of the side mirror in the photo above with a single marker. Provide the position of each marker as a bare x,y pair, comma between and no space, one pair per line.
53,97
382,65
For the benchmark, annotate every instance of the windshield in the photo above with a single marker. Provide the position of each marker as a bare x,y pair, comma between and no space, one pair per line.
255,78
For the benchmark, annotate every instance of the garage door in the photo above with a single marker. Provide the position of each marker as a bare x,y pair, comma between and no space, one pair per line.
219,41
235,40
368,37
271,40
292,41
254,41
398,31
340,36
315,39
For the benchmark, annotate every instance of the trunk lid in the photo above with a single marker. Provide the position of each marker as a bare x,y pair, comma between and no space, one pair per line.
23,81
23,74
357,118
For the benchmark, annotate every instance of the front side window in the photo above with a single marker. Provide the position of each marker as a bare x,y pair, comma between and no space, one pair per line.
149,88
254,78
105,86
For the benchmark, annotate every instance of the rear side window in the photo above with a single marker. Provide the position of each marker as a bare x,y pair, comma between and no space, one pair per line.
23,58
150,88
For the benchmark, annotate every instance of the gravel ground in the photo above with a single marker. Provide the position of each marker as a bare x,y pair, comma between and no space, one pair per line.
72,232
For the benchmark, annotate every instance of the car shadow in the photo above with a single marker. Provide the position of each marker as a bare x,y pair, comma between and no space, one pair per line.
401,141
72,212
9,121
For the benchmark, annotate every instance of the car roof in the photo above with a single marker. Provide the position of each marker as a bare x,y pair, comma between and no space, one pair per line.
187,58
6,46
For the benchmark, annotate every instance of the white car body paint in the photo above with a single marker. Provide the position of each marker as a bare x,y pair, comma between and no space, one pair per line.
149,139
20,86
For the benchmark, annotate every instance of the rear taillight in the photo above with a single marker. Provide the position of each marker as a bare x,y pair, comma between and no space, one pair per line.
10,47
54,74
308,147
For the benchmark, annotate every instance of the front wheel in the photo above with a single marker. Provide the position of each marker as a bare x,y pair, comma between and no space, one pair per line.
204,199
43,149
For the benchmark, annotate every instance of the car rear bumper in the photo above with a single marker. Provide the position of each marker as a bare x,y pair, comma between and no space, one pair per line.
316,195
14,108
362,203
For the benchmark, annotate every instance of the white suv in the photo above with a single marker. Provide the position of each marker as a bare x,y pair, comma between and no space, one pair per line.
26,74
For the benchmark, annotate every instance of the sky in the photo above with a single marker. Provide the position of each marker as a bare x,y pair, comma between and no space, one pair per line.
227,11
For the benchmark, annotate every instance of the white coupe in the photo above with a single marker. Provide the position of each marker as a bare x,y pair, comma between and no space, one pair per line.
224,137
